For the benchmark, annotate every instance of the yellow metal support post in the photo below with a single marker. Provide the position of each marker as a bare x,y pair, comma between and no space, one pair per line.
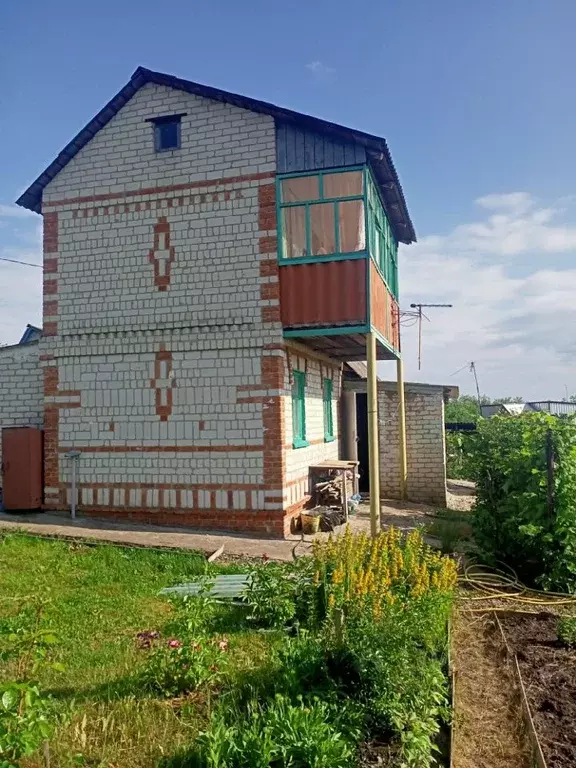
373,452
402,430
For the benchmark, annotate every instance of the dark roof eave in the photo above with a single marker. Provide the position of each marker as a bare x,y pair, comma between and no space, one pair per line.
377,148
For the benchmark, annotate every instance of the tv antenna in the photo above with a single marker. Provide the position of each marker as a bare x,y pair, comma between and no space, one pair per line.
418,314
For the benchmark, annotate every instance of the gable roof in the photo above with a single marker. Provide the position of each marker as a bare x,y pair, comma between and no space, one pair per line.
376,147
32,333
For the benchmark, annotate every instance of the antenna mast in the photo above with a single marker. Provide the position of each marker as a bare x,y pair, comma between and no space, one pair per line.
419,314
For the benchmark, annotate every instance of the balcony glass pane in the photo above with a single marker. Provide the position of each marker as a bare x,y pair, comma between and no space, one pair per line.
294,231
322,232
343,184
351,222
300,188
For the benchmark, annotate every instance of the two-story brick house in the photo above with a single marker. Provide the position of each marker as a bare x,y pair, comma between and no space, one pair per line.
209,263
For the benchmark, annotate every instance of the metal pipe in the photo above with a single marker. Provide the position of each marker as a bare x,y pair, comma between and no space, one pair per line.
373,453
402,430
73,456
349,433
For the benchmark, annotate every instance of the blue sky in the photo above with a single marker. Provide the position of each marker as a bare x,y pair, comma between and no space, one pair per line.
474,98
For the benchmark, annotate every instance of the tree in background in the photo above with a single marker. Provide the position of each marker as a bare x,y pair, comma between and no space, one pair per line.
465,409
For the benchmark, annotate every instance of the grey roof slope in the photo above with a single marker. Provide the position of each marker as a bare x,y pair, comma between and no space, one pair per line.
376,147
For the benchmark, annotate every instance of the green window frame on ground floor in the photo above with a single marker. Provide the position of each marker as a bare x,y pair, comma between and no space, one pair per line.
327,389
299,409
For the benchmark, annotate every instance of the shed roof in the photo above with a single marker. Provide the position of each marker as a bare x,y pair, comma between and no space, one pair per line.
376,147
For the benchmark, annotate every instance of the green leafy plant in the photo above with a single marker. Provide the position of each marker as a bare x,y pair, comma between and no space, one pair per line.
175,667
25,721
450,528
460,455
271,595
26,713
566,630
525,513
394,669
283,734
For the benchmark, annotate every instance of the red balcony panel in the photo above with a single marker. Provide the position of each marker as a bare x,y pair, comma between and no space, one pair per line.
385,314
326,293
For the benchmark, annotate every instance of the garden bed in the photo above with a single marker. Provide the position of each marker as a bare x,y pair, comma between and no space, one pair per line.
548,671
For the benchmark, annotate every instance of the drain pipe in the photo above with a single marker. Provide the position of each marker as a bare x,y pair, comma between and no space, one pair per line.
73,456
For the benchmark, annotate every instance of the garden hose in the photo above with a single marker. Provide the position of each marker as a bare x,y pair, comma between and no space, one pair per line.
498,584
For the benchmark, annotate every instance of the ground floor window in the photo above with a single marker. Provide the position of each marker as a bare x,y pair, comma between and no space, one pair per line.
328,415
299,409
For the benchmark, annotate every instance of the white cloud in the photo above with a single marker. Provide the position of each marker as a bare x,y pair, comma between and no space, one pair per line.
15,212
515,318
20,286
320,71
515,202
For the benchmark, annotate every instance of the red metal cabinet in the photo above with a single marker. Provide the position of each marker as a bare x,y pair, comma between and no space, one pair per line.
21,468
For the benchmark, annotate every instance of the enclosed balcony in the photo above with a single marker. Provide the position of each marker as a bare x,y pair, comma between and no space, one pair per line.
338,263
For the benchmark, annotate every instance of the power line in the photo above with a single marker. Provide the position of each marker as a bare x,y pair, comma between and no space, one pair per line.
25,263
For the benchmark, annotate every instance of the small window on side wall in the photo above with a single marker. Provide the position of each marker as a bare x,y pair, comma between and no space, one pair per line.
328,414
299,410
167,135
166,132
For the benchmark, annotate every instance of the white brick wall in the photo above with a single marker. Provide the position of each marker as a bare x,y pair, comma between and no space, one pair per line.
113,318
298,460
425,443
218,140
21,403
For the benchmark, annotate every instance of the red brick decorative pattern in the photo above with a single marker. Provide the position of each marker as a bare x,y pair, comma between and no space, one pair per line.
265,522
162,254
163,383
267,204
162,448
165,190
50,232
51,421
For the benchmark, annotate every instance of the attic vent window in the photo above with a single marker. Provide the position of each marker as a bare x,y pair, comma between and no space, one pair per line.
166,132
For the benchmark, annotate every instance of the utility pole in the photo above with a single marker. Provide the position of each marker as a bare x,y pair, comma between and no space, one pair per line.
373,451
473,370
420,315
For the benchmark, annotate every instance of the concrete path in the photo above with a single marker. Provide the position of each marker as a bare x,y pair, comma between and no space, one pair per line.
402,515
56,525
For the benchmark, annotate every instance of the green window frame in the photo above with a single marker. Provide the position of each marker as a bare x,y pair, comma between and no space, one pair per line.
299,409
332,206
328,413
382,244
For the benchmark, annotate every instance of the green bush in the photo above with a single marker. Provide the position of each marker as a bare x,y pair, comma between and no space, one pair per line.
460,455
283,734
368,659
514,520
567,630
176,667
26,712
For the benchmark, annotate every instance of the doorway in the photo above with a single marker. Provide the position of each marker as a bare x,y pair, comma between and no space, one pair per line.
362,438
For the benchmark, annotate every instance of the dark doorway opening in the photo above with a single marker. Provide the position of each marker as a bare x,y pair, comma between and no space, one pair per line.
362,435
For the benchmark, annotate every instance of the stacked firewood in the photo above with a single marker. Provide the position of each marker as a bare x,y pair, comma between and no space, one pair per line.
328,490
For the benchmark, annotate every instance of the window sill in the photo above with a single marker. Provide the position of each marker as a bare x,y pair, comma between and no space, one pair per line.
300,443
329,438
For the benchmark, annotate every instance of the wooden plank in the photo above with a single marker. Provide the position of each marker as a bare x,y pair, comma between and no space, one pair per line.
215,555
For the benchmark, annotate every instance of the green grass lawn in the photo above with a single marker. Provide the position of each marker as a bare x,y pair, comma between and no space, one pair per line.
97,599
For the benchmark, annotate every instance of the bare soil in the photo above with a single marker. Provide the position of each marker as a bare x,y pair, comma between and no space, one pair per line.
549,673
